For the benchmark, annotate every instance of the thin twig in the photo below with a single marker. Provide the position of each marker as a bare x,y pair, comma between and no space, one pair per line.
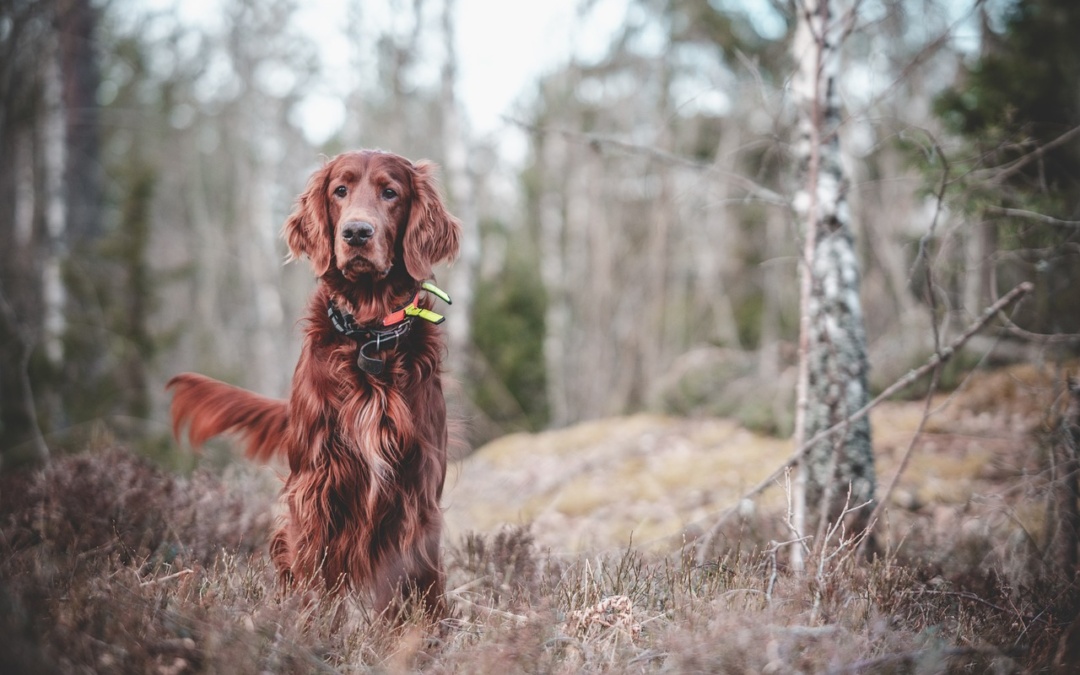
597,140
1041,338
648,655
177,575
918,59
489,610
1032,215
963,595
1001,173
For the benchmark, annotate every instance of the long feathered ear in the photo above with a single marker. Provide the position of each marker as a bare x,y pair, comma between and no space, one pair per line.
432,234
307,231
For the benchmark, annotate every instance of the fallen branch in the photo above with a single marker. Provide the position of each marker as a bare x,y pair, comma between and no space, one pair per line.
935,360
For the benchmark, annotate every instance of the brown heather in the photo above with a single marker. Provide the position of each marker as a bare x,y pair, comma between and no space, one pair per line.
109,564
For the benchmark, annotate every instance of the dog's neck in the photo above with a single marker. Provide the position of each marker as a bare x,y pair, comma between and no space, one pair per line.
366,299
389,327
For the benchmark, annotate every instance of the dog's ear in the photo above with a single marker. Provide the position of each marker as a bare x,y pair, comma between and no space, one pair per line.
308,230
432,234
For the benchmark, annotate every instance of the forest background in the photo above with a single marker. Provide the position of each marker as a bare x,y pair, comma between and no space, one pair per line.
630,242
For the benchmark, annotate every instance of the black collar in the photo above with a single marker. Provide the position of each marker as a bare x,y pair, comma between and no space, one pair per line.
386,333
372,338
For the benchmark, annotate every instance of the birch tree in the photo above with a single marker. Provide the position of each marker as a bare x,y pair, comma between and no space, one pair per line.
837,473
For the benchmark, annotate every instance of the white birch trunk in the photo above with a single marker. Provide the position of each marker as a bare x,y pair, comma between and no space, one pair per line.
838,471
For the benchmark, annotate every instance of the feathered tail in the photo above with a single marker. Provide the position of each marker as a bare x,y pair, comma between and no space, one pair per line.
209,407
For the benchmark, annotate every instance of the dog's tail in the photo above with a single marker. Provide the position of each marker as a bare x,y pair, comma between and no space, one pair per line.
209,407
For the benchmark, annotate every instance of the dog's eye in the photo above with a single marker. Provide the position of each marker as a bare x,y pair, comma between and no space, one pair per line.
341,191
389,194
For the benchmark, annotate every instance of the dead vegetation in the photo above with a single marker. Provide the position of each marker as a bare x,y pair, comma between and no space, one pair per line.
109,564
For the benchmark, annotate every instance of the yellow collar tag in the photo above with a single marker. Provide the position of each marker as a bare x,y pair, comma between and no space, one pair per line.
425,314
436,291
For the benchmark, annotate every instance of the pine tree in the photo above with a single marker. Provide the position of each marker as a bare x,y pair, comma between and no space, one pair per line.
1017,110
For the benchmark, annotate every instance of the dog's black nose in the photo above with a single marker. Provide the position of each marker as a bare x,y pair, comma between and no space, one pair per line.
357,233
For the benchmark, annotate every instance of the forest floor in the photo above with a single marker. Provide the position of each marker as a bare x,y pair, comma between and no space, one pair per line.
574,550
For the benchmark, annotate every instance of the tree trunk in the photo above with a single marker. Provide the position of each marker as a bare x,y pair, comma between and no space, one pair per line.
86,389
77,26
460,187
25,53
551,217
838,472
18,423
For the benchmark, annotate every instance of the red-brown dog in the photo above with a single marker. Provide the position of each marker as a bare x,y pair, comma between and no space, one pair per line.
364,428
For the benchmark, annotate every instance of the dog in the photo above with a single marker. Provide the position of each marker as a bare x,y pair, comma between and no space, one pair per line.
364,429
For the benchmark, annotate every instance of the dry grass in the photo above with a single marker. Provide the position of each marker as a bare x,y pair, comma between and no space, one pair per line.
109,564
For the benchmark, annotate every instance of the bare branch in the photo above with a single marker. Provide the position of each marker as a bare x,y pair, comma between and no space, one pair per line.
920,58
757,191
1041,338
998,174
930,233
1032,215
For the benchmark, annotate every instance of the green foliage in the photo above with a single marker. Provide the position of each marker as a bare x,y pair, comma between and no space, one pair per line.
135,303
1019,98
1022,92
1017,108
108,344
508,331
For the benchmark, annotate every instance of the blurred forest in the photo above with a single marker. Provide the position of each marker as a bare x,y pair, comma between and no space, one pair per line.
642,255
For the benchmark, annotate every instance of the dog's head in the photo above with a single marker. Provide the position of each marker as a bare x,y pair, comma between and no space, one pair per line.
365,212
